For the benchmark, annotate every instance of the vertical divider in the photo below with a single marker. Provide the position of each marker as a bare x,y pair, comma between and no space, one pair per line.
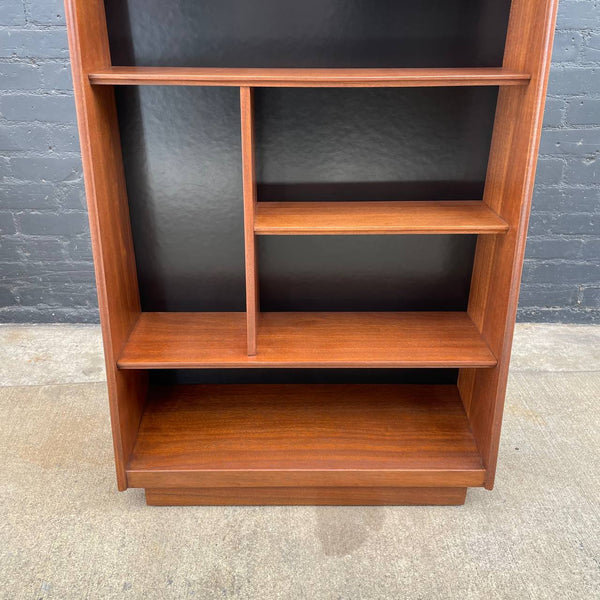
249,191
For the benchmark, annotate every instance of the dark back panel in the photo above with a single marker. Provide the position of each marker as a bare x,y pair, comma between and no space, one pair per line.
194,376
354,273
310,33
181,151
182,159
373,144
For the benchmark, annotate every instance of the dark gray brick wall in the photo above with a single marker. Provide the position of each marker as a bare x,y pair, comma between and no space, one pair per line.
561,277
45,259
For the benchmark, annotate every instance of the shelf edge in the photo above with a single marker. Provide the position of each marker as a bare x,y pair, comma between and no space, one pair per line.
406,77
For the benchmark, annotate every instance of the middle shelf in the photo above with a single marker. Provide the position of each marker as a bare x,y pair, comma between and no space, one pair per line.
307,339
347,218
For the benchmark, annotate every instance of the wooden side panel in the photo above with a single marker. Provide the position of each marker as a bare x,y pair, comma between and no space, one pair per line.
116,277
509,186
249,177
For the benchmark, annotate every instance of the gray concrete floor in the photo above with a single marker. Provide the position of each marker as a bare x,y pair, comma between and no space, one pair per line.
66,532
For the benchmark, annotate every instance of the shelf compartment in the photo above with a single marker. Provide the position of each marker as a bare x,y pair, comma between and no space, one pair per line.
304,435
306,339
351,218
206,76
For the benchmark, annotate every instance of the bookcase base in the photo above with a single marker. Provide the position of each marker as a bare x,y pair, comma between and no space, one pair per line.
290,496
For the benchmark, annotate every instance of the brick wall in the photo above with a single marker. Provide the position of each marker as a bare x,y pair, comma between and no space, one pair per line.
561,278
46,271
45,258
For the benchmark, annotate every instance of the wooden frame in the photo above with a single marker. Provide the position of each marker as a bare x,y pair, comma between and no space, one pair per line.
377,466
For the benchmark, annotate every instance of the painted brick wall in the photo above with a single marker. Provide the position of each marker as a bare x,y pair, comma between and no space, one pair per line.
46,271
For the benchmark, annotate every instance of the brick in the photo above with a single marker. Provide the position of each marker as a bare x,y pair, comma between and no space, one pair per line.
41,249
41,314
80,249
548,248
564,198
20,76
24,137
567,46
591,48
36,43
46,168
585,171
562,271
68,272
63,138
46,12
564,223
559,315
9,252
548,295
12,13
20,271
7,223
29,195
583,111
72,196
578,14
47,107
69,294
57,76
549,171
553,112
590,296
6,296
52,223
590,249
570,141
574,81
30,272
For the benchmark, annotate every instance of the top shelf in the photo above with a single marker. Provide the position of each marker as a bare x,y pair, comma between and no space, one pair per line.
203,76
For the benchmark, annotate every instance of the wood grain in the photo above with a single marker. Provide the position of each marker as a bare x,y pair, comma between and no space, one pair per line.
318,444
114,260
297,496
508,190
249,190
304,435
354,218
385,339
203,76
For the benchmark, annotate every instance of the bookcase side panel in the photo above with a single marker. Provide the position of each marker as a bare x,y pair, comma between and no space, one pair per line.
509,186
116,278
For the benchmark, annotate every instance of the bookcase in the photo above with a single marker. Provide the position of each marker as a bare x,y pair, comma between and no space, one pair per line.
308,223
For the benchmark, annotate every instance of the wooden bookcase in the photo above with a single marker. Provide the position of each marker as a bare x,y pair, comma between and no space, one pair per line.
309,427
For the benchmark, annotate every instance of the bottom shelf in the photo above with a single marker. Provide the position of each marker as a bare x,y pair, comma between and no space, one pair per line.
203,437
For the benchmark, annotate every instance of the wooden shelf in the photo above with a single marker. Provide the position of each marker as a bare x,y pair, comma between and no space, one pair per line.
304,435
348,218
307,77
384,339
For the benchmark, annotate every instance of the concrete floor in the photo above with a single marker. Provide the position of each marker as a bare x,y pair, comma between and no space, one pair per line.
66,532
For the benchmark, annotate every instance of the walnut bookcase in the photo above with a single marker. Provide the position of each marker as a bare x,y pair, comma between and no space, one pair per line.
303,441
